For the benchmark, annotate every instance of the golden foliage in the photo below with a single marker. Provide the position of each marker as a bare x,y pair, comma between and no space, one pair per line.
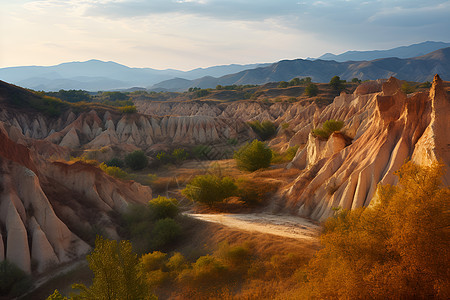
398,248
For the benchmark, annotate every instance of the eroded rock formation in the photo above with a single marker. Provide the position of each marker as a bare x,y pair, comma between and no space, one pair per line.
387,128
43,203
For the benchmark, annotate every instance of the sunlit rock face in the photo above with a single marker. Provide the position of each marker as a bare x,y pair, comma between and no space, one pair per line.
387,128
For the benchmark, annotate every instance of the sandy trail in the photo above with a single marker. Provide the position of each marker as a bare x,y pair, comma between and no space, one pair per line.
281,225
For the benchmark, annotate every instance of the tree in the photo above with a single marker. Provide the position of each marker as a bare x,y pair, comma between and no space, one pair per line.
210,189
253,156
311,90
162,207
356,80
116,273
328,127
294,81
397,248
283,84
264,130
136,160
337,84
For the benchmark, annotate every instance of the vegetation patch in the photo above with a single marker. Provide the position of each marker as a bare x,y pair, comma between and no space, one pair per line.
253,156
328,127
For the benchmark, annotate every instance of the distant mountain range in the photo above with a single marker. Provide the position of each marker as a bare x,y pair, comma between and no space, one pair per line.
419,69
399,52
95,75
406,63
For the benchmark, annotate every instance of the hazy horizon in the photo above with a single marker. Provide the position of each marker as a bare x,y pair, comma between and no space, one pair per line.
190,34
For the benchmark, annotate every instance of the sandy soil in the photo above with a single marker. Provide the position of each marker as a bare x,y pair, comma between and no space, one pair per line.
281,225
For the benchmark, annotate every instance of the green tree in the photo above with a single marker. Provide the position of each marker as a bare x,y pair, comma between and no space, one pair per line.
283,84
116,273
328,127
164,232
162,207
265,130
253,156
311,90
356,80
136,160
337,84
294,81
396,248
210,189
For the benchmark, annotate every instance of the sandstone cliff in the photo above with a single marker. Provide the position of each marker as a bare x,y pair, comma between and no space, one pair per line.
49,208
387,128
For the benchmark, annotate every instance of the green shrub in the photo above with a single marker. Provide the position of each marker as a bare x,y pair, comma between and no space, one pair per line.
128,109
13,281
114,171
164,157
136,160
232,142
210,189
286,156
264,130
201,151
294,81
426,84
179,155
253,156
283,84
328,128
162,207
407,88
337,84
311,90
164,232
115,162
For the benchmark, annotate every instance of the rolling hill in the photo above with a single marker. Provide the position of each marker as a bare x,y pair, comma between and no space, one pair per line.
417,69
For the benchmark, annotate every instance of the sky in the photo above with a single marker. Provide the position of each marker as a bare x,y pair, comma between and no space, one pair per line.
187,34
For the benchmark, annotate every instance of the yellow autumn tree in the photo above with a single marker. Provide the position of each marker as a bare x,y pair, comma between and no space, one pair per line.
398,248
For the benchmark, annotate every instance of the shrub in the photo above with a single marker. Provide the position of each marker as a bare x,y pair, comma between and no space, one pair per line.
356,80
407,88
264,130
294,81
396,248
128,109
164,232
136,160
114,171
179,155
13,281
337,84
328,128
232,142
253,156
286,156
283,84
210,189
115,162
164,158
253,192
201,151
116,273
311,90
162,207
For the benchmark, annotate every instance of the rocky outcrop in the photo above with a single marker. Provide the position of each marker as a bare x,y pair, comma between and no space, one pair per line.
98,129
387,128
46,205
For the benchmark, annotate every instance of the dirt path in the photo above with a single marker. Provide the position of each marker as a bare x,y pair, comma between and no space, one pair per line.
286,226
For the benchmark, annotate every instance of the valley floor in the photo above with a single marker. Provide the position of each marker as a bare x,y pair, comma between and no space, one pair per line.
280,225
